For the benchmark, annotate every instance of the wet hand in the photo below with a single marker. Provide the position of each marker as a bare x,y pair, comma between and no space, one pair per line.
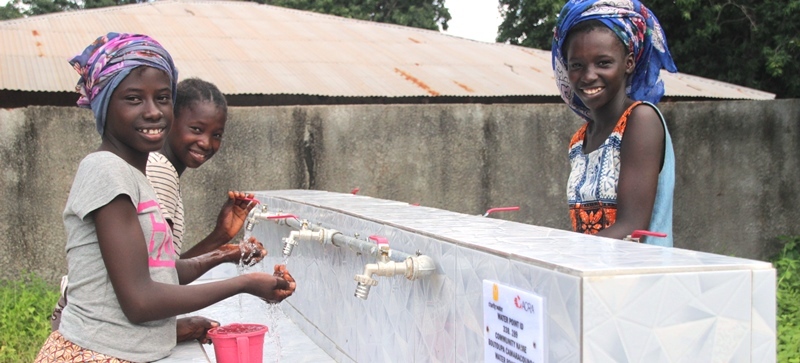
276,287
248,253
286,285
234,212
195,327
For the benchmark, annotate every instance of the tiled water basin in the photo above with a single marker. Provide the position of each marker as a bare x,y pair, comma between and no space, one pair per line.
604,300
284,342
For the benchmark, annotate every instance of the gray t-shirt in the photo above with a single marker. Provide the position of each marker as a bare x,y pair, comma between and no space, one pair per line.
93,319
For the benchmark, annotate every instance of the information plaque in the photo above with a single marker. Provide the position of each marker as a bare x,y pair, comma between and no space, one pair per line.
513,321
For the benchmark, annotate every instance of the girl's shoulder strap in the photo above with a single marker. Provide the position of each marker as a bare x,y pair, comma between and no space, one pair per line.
578,136
623,120
660,116
622,123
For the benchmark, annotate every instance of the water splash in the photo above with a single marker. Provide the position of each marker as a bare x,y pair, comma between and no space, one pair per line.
246,250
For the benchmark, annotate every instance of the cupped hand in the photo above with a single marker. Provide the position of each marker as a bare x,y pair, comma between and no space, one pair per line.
233,214
286,290
273,288
195,327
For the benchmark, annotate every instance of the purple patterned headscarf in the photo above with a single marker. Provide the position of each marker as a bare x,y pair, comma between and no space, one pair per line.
107,61
639,31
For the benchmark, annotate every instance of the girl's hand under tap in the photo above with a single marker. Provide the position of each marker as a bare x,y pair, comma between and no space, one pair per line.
276,287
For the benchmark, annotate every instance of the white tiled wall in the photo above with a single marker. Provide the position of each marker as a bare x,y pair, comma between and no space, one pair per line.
763,315
646,318
605,300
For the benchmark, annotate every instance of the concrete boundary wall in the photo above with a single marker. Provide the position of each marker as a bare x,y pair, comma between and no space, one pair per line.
737,184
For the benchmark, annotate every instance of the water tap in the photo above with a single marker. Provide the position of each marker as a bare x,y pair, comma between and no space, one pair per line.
259,212
500,209
413,267
639,233
304,234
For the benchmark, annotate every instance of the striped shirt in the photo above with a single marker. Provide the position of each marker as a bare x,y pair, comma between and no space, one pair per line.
165,180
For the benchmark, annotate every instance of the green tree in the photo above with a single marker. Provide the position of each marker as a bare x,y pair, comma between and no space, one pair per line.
753,43
38,7
9,11
528,23
21,8
426,14
91,4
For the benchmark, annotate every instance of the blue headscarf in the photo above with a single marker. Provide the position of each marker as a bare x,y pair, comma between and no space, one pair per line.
107,61
639,31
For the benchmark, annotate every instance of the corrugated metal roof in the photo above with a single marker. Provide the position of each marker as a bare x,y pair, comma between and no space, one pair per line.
248,48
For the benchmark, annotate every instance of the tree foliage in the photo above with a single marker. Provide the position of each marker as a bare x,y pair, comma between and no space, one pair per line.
528,23
753,43
9,11
24,8
426,14
91,4
38,7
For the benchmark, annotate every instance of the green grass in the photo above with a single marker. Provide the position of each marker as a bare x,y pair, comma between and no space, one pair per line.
25,308
787,264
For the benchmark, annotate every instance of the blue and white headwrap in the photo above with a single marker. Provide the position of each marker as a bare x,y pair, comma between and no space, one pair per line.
639,31
107,61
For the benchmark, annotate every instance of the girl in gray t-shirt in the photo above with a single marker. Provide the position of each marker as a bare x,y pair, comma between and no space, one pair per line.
123,272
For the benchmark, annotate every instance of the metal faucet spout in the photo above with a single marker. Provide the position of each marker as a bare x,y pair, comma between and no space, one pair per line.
258,213
304,234
413,268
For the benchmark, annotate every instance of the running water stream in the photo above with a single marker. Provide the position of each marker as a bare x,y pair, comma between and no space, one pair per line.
272,341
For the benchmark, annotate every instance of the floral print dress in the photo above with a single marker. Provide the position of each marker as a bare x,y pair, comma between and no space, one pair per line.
592,185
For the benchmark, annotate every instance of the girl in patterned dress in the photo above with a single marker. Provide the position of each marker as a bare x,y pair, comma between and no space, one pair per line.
607,55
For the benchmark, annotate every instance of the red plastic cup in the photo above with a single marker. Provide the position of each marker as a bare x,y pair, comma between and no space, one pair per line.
238,343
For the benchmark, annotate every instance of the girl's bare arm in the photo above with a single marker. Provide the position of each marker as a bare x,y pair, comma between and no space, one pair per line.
189,269
142,299
641,156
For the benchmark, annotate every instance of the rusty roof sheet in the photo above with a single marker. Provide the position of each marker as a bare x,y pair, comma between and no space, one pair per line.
250,48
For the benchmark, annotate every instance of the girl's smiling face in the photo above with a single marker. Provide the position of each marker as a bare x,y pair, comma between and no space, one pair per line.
196,134
139,113
598,66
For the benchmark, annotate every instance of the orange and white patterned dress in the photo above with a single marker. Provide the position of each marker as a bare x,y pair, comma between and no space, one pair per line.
593,179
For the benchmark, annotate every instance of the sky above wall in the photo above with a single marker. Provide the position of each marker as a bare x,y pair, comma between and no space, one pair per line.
473,19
